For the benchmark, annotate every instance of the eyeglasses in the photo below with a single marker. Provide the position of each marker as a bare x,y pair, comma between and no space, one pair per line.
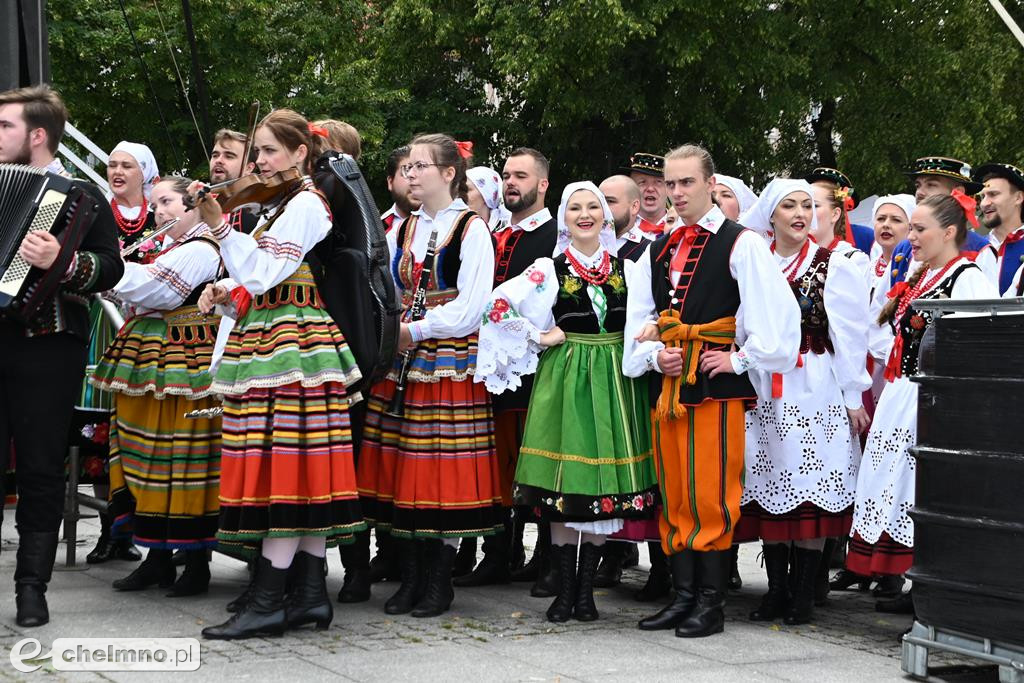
418,167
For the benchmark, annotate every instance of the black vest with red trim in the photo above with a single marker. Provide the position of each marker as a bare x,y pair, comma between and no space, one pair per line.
522,248
706,291
519,251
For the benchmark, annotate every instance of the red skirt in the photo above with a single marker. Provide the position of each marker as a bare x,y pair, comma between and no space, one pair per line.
433,473
804,522
884,557
287,467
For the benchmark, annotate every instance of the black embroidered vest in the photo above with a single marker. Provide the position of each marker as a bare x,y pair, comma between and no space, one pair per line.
809,290
447,261
914,324
710,293
573,309
522,248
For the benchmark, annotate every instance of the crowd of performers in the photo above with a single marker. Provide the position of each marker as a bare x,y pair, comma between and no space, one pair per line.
669,358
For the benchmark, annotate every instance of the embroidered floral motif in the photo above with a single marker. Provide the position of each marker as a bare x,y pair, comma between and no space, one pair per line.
498,310
571,285
537,278
618,284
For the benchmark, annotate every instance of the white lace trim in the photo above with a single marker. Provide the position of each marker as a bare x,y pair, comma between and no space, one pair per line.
290,377
506,352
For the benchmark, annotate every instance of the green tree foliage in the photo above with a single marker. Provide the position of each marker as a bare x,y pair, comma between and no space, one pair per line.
769,87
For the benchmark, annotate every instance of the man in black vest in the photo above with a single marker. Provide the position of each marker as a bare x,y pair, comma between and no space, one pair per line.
530,235
43,360
706,306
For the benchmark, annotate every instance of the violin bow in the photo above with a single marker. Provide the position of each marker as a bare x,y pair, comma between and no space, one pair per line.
254,114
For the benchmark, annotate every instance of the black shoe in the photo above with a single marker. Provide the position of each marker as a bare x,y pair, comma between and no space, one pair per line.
307,601
263,614
384,565
708,617
178,558
493,568
123,549
613,558
104,549
563,560
36,553
437,599
801,608
355,558
659,580
156,569
465,559
408,592
901,604
585,609
195,580
889,586
539,563
844,579
735,580
776,565
684,568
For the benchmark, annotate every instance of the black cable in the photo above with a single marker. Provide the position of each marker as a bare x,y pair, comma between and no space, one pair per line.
149,82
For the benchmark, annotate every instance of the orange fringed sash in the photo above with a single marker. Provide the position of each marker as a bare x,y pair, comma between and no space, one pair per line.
677,334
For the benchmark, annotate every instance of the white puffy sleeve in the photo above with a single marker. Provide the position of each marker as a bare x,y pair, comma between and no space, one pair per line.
846,304
260,265
460,317
165,284
768,320
639,357
518,311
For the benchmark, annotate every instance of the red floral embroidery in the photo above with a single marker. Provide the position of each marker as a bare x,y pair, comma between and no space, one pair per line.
93,466
495,316
607,505
500,305
536,277
638,502
102,433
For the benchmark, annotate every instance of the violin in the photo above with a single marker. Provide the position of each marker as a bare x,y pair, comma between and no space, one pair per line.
254,188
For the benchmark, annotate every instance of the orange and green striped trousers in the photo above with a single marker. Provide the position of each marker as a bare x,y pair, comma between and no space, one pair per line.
699,461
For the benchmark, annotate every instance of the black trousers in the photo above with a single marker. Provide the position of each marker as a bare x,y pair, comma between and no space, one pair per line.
40,380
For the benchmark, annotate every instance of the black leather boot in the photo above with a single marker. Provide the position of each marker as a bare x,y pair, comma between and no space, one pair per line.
585,609
659,579
517,551
355,558
735,580
801,609
776,565
104,549
307,601
684,574
240,601
821,587
901,604
539,562
493,568
437,598
613,559
563,559
157,569
263,614
708,617
889,586
384,565
195,579
465,559
844,579
36,553
408,593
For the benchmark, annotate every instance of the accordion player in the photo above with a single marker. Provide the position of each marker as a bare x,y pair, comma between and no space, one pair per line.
33,199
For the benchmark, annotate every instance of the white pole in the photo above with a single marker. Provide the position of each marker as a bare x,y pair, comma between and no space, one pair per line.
1008,20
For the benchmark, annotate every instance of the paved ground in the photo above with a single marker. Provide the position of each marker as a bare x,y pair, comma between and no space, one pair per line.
492,634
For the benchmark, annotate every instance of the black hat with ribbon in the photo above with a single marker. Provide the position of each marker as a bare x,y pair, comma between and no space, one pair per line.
1007,171
960,171
834,176
647,164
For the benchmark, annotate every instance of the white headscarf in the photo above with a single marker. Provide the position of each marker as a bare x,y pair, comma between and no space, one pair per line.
759,216
744,195
607,236
905,202
488,183
143,156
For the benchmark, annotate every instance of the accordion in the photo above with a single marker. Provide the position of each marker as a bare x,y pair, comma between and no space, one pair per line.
32,199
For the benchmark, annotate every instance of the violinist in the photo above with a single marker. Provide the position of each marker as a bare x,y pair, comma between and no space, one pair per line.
287,480
226,163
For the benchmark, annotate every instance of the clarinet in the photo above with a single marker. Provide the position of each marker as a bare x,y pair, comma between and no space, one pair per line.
416,312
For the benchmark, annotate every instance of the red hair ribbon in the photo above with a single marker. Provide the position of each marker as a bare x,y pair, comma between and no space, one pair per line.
318,130
968,204
465,148
845,194
897,290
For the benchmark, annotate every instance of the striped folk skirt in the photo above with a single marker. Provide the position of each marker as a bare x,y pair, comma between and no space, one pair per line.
287,467
885,556
433,473
699,461
804,522
164,472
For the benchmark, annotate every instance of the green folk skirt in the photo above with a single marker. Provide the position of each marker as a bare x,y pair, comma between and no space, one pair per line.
586,453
